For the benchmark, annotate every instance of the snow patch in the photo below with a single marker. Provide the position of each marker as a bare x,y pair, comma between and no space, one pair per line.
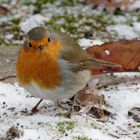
123,31
121,97
85,43
136,26
135,5
31,22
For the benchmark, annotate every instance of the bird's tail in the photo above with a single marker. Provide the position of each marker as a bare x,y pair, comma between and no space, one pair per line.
105,63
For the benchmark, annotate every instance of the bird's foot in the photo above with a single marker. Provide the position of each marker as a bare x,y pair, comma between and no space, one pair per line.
34,110
67,114
65,104
69,106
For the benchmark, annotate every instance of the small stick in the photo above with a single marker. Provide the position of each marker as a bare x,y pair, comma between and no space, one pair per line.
7,77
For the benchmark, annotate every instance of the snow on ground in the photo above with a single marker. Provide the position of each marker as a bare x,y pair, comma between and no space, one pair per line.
84,43
38,125
31,22
125,31
16,103
135,5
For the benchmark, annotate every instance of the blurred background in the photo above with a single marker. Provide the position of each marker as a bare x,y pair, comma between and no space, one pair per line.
91,19
87,21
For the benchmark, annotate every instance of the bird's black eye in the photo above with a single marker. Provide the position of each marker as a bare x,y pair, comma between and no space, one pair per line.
49,39
30,45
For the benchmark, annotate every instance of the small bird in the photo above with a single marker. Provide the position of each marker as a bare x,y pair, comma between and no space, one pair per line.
51,65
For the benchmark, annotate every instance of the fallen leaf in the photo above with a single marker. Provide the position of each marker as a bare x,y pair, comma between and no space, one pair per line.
88,96
99,112
3,10
111,4
91,102
135,112
123,52
13,133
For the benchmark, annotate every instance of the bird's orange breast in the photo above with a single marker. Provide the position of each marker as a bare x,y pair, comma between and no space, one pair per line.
40,67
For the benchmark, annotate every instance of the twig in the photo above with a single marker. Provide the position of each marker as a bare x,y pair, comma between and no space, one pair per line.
109,80
7,77
113,135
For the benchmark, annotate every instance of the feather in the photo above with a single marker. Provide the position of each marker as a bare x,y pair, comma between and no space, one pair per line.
72,52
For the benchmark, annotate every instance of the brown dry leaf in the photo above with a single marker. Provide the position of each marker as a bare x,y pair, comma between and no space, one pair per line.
111,4
13,133
87,96
3,10
91,103
135,113
123,52
99,112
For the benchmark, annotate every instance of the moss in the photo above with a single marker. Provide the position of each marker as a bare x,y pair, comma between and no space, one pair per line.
15,24
3,42
102,86
137,126
44,124
15,28
90,23
138,16
65,126
81,138
71,2
93,125
37,4
16,21
41,123
80,23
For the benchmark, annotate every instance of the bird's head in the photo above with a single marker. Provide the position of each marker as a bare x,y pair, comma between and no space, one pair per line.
37,39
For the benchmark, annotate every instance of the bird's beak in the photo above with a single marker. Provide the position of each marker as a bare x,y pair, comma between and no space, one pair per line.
41,48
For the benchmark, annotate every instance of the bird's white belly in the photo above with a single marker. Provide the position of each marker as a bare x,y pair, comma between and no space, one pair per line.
72,83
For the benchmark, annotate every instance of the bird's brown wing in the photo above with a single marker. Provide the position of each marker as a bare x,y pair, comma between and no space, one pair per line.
74,54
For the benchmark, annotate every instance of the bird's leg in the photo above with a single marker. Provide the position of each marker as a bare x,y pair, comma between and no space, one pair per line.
101,113
65,104
69,105
72,108
34,109
71,111
72,98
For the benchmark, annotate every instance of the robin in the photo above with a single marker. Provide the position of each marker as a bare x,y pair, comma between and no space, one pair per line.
51,65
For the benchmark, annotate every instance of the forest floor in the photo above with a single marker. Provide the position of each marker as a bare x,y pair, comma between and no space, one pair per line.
88,25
